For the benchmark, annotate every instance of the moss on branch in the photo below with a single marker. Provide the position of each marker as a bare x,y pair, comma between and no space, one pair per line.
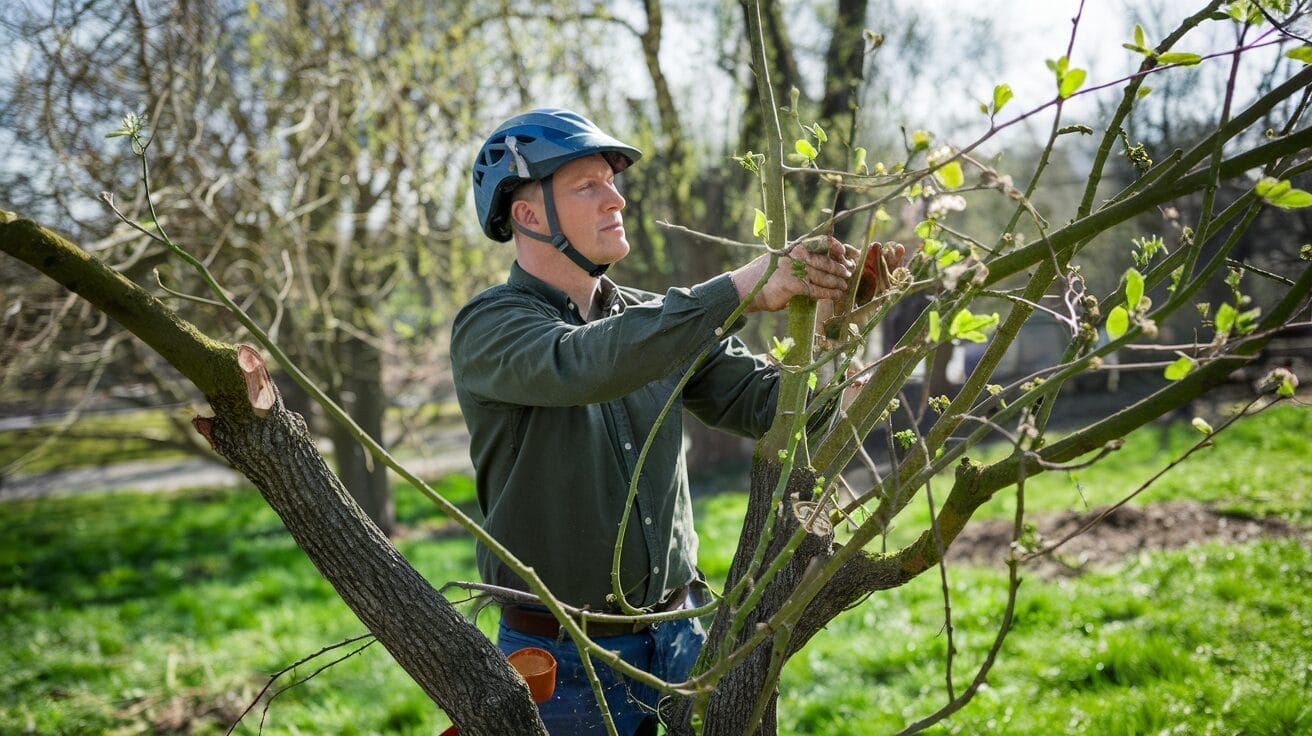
210,364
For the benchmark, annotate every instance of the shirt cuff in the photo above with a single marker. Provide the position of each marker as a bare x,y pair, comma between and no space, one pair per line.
720,297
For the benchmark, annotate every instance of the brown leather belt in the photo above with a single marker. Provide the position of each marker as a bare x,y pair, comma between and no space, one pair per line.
541,623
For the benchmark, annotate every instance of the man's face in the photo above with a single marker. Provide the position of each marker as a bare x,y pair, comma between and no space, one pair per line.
588,207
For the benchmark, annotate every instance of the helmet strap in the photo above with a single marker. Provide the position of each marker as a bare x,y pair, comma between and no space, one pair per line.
557,238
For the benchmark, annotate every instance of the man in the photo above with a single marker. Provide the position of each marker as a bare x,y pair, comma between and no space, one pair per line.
561,374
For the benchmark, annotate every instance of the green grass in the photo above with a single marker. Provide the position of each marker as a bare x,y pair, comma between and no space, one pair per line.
121,610
1208,640
128,613
1256,467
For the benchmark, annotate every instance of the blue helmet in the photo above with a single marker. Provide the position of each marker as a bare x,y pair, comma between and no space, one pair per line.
531,147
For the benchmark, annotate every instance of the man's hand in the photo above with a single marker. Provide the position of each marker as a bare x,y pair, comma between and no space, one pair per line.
827,276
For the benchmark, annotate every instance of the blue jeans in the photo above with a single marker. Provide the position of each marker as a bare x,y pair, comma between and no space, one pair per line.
666,650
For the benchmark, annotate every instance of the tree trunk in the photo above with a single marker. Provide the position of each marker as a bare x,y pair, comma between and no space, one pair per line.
458,667
844,72
364,398
730,707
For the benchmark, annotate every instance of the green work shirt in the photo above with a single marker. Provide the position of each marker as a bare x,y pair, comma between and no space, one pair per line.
558,409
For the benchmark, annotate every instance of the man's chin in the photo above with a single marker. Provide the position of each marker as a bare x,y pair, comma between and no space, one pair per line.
617,249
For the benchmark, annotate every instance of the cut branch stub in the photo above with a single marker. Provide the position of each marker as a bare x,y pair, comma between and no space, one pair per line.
259,386
205,428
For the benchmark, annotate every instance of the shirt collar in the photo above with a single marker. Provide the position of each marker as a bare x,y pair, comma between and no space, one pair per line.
525,281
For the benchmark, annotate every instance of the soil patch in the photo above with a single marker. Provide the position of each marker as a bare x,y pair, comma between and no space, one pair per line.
1126,531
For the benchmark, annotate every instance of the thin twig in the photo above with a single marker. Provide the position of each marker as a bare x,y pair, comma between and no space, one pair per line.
711,238
1259,272
180,295
287,669
311,676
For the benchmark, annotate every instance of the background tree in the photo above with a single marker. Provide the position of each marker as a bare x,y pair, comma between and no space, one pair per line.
301,143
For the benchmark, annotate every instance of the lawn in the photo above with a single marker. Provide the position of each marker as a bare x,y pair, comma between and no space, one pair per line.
134,613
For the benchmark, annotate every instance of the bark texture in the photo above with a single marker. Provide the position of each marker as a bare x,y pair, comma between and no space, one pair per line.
730,707
458,667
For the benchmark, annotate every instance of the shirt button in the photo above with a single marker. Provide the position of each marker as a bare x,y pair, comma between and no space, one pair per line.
628,445
647,521
655,569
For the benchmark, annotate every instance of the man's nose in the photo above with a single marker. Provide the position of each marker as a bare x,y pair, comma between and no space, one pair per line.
615,202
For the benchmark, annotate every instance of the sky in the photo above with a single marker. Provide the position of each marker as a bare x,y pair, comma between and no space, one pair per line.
973,45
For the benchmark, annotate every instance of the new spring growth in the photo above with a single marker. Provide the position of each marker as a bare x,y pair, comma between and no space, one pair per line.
1284,381
905,437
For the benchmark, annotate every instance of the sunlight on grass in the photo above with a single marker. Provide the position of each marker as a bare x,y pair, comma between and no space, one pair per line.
147,609
1084,655
166,613
1257,467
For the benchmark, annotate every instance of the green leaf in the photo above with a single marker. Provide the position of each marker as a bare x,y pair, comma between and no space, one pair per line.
1071,81
1302,53
1143,92
1281,194
935,329
1182,58
882,215
859,161
926,229
1287,386
1270,187
1133,289
1225,318
811,380
948,258
1246,321
972,327
919,140
819,133
804,147
1001,96
931,246
1294,199
780,348
950,175
760,226
1118,321
1182,367
1139,36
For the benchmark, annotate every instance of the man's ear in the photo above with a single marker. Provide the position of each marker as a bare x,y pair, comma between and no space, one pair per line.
524,213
